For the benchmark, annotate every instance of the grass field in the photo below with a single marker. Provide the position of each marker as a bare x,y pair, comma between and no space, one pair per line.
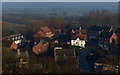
13,28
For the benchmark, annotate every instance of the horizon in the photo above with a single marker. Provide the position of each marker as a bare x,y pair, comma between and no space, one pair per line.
72,8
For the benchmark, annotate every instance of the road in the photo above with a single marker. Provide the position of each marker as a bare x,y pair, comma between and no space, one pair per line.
82,57
84,63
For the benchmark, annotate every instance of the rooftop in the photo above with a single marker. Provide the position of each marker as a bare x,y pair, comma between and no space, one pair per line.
45,29
79,35
40,47
14,46
106,34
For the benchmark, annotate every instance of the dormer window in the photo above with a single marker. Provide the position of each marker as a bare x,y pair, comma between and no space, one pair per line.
12,38
22,36
16,38
39,50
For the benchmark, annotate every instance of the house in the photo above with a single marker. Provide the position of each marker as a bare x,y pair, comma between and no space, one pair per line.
93,32
100,65
39,34
48,33
57,33
63,38
79,38
59,52
43,32
40,47
104,65
107,38
15,46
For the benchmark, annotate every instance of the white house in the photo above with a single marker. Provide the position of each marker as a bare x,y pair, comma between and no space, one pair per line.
78,42
79,39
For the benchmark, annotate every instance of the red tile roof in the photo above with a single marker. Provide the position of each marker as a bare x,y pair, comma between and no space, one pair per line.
79,35
45,29
57,31
43,32
39,34
81,31
39,48
14,46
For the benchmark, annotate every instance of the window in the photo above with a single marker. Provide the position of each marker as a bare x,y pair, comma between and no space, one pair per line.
16,38
22,36
105,46
99,32
74,40
81,45
39,50
13,38
77,43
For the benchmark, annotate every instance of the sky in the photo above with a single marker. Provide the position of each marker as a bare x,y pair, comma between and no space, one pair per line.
60,0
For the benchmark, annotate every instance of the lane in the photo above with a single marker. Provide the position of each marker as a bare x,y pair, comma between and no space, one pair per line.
84,64
82,57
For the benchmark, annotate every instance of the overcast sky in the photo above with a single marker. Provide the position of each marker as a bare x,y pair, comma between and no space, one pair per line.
60,0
